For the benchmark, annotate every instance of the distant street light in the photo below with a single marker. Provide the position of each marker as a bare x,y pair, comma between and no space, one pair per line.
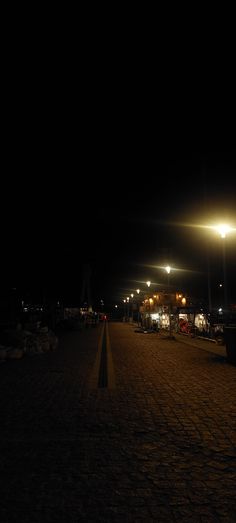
168,269
138,291
124,309
149,315
223,230
132,307
127,299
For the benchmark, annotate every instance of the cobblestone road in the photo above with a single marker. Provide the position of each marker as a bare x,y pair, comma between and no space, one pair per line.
158,444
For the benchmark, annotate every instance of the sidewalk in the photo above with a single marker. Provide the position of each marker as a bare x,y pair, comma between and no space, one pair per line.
207,345
204,344
158,444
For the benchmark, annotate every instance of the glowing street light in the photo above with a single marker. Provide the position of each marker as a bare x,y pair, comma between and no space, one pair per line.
168,269
149,316
223,230
127,299
132,307
124,309
138,291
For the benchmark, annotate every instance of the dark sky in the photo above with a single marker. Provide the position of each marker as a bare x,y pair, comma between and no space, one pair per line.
106,146
124,213
108,169
146,222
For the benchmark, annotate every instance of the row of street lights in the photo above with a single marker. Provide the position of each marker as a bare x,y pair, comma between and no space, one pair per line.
126,300
223,230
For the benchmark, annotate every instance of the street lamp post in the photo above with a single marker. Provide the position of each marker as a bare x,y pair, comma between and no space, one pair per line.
168,269
132,307
223,230
124,309
127,299
225,277
209,283
149,316
138,291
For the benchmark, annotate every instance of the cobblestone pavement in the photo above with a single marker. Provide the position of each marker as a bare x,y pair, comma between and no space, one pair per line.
157,446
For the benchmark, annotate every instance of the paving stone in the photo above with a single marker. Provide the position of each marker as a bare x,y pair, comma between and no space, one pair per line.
160,446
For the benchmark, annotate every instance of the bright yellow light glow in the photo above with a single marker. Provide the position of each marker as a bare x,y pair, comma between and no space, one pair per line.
138,291
148,283
131,295
183,301
168,269
223,229
150,301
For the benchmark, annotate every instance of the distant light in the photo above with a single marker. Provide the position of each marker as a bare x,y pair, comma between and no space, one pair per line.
168,269
221,285
131,295
148,283
183,301
220,310
138,291
116,306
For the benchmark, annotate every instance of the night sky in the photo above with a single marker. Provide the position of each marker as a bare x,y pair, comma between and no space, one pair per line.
145,224
126,210
108,152
109,173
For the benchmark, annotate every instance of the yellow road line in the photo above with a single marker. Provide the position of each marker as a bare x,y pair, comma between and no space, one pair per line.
94,376
110,366
93,379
